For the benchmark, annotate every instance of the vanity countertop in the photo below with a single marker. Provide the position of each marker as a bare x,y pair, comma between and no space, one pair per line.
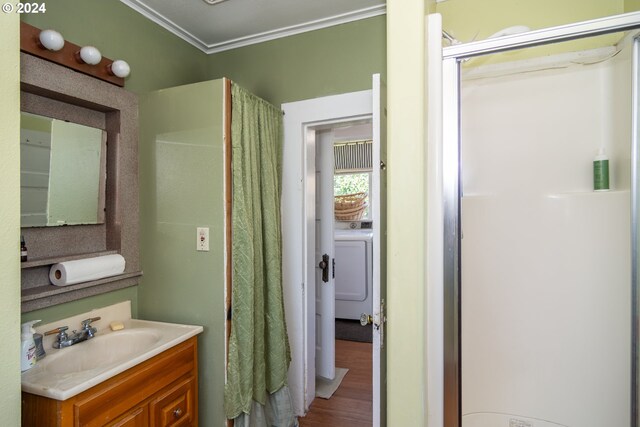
67,372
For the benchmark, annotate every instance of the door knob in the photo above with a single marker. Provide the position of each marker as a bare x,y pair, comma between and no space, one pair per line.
366,319
324,265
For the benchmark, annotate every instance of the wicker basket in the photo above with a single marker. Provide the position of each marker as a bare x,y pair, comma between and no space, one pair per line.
352,214
350,207
349,201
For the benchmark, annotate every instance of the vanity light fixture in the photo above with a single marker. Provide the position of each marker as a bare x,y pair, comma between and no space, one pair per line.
90,55
51,40
119,68
50,45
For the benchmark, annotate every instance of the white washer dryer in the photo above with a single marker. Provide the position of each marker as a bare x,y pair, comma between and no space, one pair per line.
353,273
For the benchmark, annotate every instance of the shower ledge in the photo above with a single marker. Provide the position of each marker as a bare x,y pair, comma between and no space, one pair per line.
586,194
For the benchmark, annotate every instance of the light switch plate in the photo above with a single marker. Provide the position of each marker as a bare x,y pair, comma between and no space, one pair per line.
202,239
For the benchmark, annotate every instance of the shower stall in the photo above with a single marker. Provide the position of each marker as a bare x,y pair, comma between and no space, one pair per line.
532,275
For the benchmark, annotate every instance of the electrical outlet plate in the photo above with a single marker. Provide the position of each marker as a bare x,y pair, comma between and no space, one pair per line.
202,239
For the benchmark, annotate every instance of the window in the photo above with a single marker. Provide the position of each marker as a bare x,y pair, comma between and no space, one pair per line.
350,183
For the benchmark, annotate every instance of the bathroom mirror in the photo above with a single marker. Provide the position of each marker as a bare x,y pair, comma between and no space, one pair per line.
62,172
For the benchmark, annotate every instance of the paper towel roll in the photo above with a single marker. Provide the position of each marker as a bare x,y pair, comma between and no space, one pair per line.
85,270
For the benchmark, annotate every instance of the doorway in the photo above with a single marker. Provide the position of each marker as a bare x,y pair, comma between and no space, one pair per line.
342,224
301,121
342,230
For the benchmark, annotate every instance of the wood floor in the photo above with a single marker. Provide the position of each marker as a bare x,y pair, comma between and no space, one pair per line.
351,405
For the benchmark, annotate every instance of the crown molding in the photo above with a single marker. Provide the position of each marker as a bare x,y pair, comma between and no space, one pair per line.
298,29
166,23
253,38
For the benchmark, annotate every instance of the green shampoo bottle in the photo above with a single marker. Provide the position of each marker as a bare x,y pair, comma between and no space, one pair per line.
601,171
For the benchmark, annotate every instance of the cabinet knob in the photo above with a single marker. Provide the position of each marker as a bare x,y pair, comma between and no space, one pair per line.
177,413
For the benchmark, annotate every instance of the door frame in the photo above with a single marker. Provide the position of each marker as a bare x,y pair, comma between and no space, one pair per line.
443,219
298,215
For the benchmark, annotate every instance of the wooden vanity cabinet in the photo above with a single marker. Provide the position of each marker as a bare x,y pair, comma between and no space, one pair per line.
160,392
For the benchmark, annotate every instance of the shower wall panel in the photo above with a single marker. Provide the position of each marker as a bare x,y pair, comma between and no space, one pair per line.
545,288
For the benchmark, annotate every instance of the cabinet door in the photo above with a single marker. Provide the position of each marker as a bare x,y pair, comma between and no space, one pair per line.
137,417
175,406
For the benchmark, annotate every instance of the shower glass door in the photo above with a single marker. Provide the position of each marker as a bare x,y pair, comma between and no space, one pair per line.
541,268
546,261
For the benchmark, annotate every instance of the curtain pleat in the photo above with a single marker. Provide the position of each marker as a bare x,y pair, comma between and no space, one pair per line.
259,353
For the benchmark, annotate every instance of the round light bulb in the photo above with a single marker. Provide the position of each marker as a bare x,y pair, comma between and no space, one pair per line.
90,55
51,40
120,68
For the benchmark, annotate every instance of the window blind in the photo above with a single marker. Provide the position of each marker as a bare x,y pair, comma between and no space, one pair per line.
353,156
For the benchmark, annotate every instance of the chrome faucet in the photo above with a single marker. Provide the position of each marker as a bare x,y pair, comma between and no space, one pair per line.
64,340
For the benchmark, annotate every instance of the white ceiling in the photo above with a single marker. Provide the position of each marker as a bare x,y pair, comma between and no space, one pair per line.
234,23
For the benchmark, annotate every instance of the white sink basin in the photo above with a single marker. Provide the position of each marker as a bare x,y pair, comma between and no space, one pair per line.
103,350
66,372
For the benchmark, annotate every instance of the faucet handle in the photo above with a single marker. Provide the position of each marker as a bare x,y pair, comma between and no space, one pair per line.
87,328
86,322
61,331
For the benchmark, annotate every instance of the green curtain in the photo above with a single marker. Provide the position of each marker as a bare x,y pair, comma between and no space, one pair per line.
259,354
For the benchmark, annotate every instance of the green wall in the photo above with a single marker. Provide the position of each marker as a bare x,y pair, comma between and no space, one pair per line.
631,5
317,63
10,221
406,214
158,59
181,188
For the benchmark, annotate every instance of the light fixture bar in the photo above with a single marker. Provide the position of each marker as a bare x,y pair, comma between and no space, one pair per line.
91,62
624,22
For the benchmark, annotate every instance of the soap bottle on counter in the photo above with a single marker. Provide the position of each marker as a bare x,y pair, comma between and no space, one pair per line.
28,346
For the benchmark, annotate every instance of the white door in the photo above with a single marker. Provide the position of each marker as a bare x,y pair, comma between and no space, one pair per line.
378,216
325,254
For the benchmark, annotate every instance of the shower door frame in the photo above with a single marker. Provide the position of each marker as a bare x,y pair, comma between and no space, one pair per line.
448,321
